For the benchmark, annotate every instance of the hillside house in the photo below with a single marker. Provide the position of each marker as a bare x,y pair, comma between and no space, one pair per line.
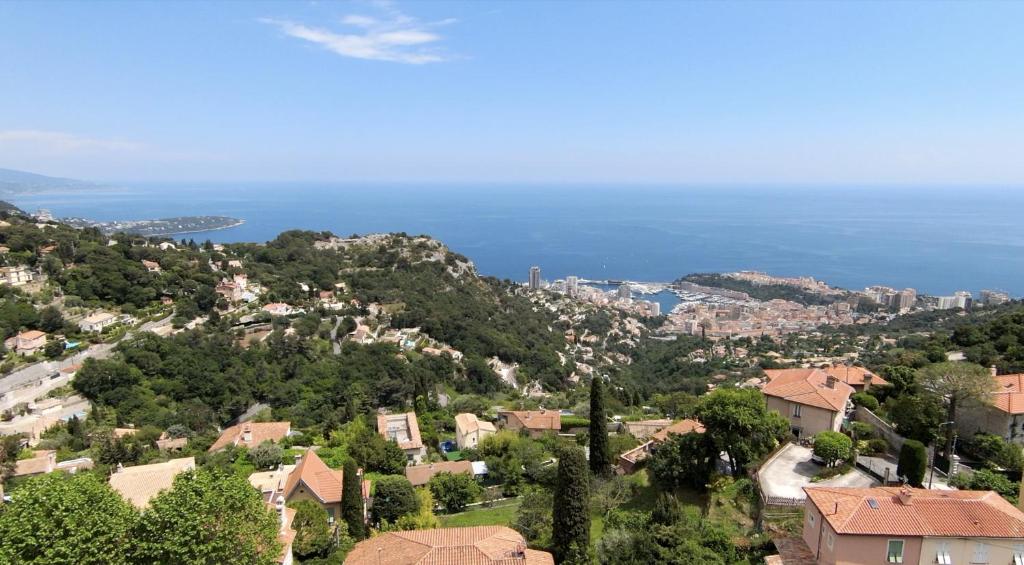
812,400
404,430
904,525
469,430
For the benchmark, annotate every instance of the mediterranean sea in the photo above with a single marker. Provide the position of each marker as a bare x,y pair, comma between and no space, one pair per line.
936,240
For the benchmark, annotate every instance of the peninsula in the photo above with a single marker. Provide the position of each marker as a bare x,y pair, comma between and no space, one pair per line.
161,227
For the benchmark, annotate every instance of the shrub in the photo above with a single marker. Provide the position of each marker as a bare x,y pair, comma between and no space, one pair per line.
569,422
913,462
831,472
995,451
266,455
878,445
861,430
454,491
985,479
866,400
393,498
832,447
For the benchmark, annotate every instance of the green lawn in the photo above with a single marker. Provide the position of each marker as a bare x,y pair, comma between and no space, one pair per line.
648,493
501,514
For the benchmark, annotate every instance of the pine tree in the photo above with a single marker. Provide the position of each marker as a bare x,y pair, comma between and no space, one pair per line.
571,504
600,457
352,501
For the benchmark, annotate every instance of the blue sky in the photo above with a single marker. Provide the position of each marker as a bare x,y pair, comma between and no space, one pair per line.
662,92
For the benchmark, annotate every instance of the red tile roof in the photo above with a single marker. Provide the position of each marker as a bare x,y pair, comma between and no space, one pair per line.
853,376
533,419
259,431
408,429
420,475
808,387
1009,394
480,545
324,482
943,513
680,428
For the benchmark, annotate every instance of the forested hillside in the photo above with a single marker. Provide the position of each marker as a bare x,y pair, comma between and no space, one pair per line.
205,377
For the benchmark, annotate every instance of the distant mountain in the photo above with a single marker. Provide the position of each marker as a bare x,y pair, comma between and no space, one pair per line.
20,182
10,208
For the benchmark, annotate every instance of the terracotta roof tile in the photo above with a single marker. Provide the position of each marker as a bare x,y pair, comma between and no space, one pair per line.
44,461
141,483
469,423
808,387
852,375
534,419
324,482
880,511
420,475
680,428
260,432
403,429
1009,394
480,545
31,334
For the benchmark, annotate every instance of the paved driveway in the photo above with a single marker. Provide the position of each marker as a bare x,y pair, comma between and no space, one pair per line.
791,469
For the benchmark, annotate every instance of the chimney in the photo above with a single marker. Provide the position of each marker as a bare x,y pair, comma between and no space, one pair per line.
830,381
298,458
51,461
280,512
992,370
867,380
247,433
905,497
120,468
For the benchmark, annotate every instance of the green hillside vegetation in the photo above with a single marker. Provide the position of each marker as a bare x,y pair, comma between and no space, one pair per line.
760,292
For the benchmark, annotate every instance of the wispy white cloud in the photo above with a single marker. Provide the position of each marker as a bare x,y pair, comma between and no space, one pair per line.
58,142
390,36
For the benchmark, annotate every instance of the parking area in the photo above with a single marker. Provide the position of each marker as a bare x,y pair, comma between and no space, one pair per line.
785,475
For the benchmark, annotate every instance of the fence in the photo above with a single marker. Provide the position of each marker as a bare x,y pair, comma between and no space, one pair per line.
782,501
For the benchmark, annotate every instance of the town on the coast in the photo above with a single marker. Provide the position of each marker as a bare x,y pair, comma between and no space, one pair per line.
373,400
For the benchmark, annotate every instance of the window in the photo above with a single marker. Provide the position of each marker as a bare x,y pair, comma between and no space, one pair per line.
895,551
1018,554
942,556
810,518
796,410
980,553
830,540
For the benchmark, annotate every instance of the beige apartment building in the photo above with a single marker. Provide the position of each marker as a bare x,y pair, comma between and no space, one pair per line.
812,400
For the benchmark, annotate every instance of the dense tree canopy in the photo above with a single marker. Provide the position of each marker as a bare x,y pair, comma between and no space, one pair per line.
739,423
208,518
393,498
60,519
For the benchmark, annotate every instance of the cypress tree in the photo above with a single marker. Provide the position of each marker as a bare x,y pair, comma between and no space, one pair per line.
600,456
913,462
352,501
570,527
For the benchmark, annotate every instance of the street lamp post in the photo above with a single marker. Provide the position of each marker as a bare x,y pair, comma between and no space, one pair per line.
949,456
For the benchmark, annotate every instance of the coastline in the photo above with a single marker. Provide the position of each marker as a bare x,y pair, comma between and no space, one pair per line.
218,228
